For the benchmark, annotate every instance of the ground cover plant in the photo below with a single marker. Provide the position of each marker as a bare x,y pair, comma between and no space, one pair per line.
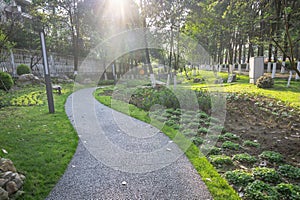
258,138
40,144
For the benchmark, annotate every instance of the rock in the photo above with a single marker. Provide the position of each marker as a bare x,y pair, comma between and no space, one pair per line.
197,80
18,181
3,182
11,187
22,177
8,175
7,165
28,79
231,78
3,194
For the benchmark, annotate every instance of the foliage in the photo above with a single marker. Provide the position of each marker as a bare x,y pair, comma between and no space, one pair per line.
260,191
289,171
271,156
33,98
265,82
230,145
220,160
244,157
41,145
239,177
23,69
106,82
6,81
249,143
218,187
288,191
265,174
231,136
197,141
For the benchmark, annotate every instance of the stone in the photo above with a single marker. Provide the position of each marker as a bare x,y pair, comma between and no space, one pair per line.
7,165
11,187
231,78
18,181
3,194
8,175
3,182
22,177
28,79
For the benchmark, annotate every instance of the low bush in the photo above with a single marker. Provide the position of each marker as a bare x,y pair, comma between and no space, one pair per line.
288,191
244,157
239,178
289,171
197,141
249,143
23,69
220,160
271,156
265,174
6,81
265,82
259,190
106,82
231,136
230,145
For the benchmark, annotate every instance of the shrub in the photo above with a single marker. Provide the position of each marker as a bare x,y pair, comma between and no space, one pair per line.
189,132
244,157
6,81
250,143
266,174
265,82
202,130
23,69
271,156
220,160
238,177
289,171
230,145
231,136
197,141
288,191
260,191
210,150
106,82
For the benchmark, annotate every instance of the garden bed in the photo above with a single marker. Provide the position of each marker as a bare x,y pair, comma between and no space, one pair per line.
258,140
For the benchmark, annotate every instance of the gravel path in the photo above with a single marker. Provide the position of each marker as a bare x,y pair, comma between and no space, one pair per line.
119,157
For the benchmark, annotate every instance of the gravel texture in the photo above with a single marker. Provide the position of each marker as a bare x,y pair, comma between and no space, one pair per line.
119,157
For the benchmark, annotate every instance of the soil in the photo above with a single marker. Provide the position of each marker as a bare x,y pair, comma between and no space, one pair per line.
272,124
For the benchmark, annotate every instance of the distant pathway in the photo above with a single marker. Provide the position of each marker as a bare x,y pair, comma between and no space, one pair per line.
119,157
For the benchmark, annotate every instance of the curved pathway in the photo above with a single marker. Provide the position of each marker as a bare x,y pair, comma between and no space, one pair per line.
119,157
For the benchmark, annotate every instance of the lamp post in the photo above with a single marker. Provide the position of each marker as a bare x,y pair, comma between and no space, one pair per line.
47,73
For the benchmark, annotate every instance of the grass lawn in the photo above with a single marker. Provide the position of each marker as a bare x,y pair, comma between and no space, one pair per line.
40,144
218,186
290,96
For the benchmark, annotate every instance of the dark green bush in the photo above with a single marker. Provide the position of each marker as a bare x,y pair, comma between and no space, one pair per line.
106,82
23,69
266,174
259,190
239,178
220,160
6,81
265,82
288,191
197,141
250,143
289,171
244,157
230,145
271,156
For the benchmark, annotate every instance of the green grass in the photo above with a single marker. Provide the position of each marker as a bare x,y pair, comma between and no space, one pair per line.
40,144
218,186
280,92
